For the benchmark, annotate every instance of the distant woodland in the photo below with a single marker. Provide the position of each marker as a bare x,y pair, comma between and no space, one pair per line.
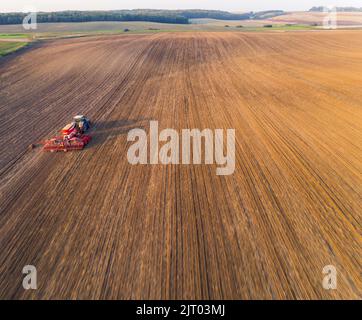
162,16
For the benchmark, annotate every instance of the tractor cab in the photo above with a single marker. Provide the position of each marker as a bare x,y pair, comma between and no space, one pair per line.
82,123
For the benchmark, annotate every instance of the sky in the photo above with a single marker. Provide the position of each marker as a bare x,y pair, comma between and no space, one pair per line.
228,5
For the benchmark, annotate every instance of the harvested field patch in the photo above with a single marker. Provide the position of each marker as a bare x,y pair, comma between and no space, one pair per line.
96,227
343,18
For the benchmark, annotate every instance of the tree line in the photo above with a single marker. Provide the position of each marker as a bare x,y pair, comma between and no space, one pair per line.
85,16
162,16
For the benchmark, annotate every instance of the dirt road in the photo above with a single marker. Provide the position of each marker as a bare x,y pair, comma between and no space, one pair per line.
97,227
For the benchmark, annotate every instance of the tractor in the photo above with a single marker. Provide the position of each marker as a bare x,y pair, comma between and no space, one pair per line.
72,137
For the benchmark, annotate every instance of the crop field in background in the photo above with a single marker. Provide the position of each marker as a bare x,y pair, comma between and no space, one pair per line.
97,227
301,20
46,30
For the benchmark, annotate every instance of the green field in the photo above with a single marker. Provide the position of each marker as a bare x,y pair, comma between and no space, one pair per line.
47,31
9,47
14,36
88,28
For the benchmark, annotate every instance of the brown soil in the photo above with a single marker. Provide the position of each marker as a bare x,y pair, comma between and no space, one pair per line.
97,227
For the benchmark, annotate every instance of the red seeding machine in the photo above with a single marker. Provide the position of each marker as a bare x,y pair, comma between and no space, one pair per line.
72,137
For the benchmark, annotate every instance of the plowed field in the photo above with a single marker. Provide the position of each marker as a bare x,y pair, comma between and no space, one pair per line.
97,227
